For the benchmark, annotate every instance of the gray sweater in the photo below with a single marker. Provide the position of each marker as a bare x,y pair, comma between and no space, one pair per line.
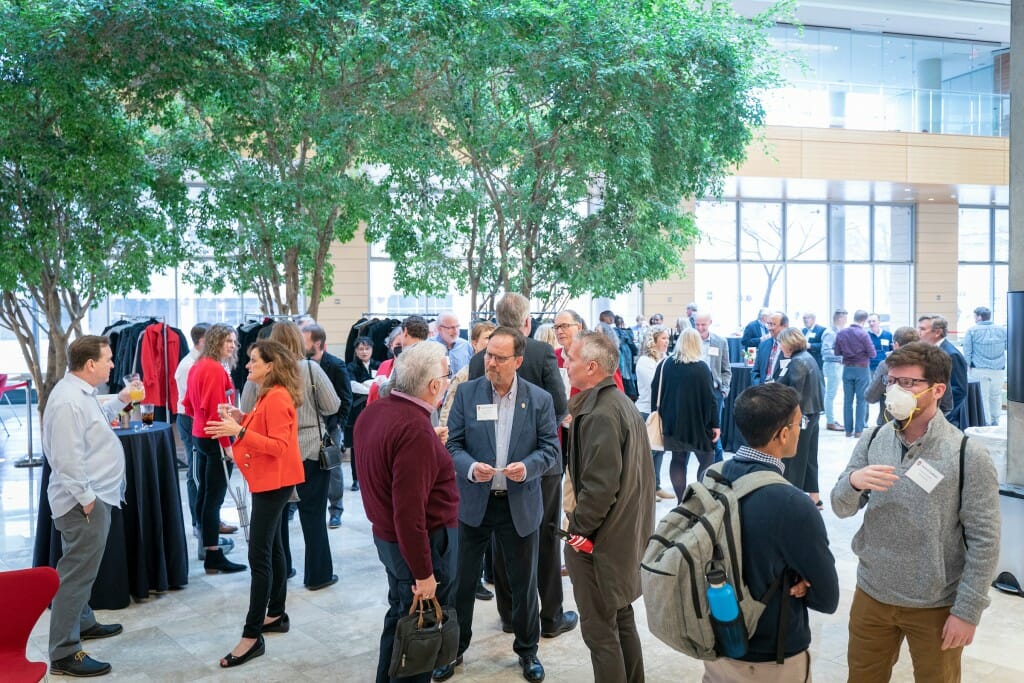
309,437
910,545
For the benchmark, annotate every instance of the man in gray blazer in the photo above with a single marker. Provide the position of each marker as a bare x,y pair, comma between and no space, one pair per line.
715,353
502,437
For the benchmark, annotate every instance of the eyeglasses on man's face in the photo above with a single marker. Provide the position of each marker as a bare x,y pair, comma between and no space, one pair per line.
905,382
500,360
448,327
804,421
564,326
447,375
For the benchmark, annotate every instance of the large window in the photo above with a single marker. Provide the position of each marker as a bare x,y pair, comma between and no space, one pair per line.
983,276
803,257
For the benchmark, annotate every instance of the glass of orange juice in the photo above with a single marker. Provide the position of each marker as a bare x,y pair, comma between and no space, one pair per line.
136,391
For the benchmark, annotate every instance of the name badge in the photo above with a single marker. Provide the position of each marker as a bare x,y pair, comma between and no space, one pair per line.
885,342
487,412
713,351
810,335
924,475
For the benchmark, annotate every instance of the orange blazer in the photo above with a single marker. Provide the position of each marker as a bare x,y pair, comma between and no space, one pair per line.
268,455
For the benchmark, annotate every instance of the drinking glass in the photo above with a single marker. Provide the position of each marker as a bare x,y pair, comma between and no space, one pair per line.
136,390
147,415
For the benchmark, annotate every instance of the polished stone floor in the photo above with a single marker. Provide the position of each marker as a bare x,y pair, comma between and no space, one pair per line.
180,635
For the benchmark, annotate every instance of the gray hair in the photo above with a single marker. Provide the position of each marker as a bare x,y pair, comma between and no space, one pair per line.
688,346
599,347
416,367
512,310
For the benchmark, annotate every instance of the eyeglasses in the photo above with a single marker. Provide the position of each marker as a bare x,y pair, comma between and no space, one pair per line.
448,327
497,359
561,326
905,382
448,375
804,421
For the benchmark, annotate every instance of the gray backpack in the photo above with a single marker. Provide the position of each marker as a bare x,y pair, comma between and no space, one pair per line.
702,532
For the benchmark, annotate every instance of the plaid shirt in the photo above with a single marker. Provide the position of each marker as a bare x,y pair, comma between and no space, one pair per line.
985,346
748,453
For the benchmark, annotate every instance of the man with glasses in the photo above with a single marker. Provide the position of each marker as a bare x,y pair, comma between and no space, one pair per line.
501,434
929,542
459,350
933,330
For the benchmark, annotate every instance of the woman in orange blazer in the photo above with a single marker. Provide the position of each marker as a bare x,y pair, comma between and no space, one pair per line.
266,452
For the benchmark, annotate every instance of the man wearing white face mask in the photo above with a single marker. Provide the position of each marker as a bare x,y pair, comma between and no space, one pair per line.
929,543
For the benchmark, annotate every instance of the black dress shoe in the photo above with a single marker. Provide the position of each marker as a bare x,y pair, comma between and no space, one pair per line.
329,582
355,486
532,670
79,665
97,631
568,622
443,673
482,593
507,628
258,648
280,625
292,573
216,563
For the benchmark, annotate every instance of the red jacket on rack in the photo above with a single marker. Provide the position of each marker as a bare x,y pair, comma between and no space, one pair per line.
156,373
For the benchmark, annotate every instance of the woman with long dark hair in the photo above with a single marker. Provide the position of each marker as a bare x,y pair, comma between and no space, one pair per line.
266,450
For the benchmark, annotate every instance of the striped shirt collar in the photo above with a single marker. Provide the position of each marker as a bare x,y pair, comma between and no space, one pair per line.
750,454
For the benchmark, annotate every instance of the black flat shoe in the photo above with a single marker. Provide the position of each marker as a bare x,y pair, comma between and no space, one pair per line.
258,648
216,563
280,625
329,582
443,673
567,623
532,669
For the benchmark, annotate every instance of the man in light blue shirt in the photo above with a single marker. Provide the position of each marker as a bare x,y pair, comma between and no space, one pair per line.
985,353
459,350
87,480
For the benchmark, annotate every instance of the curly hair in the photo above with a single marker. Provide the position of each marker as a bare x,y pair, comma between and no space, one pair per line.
648,346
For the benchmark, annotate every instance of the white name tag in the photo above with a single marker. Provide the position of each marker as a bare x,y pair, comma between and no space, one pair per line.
487,412
810,335
885,342
924,475
712,350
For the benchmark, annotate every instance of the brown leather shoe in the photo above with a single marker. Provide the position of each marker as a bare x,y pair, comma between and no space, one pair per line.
834,427
227,528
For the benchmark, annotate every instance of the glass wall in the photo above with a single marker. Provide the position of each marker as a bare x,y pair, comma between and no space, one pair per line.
875,81
983,275
803,257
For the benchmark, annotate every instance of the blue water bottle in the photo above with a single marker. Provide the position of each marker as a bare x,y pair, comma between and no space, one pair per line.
726,620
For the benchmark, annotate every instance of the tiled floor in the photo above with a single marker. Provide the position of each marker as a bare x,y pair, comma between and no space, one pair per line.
179,636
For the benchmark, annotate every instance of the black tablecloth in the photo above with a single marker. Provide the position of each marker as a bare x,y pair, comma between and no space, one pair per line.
731,437
146,549
975,405
735,349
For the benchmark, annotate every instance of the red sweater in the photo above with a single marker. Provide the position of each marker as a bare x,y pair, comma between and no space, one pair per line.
406,477
208,386
268,455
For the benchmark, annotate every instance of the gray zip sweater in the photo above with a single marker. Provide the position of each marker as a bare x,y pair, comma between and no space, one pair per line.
910,545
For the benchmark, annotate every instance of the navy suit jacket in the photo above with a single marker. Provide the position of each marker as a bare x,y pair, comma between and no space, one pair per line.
533,442
759,373
752,333
957,385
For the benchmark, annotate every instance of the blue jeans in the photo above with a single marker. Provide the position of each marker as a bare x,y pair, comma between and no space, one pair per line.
720,400
444,551
184,423
833,378
855,384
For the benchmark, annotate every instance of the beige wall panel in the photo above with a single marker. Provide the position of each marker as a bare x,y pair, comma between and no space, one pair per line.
951,164
669,297
773,158
351,291
850,160
936,260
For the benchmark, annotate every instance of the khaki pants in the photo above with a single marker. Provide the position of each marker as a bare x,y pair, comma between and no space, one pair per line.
795,669
877,631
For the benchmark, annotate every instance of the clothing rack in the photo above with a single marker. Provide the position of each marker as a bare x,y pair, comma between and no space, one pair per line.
399,315
139,318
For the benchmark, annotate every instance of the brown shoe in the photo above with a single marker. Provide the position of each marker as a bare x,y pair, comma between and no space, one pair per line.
834,427
227,528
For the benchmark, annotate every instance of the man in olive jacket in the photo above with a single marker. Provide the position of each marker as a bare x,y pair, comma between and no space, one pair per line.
613,479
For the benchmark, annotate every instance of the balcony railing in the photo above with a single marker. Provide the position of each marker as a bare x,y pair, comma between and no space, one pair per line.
875,107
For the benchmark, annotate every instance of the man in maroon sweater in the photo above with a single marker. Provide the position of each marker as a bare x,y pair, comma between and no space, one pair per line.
854,345
409,491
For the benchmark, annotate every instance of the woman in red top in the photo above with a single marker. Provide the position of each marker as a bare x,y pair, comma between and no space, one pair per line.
209,385
267,454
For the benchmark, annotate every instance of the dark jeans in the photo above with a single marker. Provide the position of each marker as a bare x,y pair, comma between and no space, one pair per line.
312,501
211,489
677,469
269,584
444,550
855,384
549,562
719,451
520,565
609,630
802,468
191,481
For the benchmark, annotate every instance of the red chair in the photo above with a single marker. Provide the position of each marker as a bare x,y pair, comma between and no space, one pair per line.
25,594
4,388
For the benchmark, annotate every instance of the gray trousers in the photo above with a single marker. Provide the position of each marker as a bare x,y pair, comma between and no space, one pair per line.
336,485
83,540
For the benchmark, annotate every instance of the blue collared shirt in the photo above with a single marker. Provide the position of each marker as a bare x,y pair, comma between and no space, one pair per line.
458,354
748,453
84,453
985,346
503,430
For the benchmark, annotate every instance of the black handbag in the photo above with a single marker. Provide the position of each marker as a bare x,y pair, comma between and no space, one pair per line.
428,637
330,452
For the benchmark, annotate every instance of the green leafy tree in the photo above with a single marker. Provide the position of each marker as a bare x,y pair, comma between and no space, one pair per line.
557,146
87,198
